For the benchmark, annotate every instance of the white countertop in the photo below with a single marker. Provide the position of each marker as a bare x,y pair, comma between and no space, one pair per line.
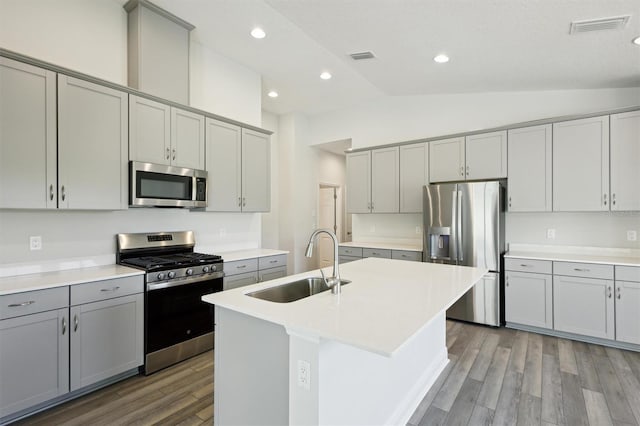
43,280
576,257
386,303
387,246
230,256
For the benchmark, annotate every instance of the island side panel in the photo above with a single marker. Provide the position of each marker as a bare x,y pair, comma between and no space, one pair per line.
358,387
251,384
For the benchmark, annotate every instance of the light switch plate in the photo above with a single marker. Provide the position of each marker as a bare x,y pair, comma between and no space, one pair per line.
551,234
632,235
35,243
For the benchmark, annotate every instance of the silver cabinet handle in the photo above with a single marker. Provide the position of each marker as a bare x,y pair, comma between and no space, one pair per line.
619,290
461,170
18,305
75,323
509,200
506,282
168,153
404,255
604,197
581,269
63,195
244,202
375,254
239,202
609,292
51,192
64,325
174,154
467,170
613,199
347,251
241,266
273,261
524,265
110,289
372,206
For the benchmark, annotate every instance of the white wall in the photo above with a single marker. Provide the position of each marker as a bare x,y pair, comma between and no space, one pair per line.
403,118
90,37
270,220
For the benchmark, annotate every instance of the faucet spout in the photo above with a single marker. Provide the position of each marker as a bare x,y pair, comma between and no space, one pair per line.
332,282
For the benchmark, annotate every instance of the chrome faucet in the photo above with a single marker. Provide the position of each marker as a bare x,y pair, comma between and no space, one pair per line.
332,282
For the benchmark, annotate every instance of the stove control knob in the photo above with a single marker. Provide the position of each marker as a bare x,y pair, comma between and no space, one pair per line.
171,274
214,268
205,269
161,276
189,271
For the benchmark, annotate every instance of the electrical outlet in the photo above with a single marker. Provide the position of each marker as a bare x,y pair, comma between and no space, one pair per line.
35,243
418,230
551,234
223,232
632,235
304,374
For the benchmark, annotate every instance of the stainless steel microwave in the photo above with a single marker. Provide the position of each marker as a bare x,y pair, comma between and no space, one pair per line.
157,185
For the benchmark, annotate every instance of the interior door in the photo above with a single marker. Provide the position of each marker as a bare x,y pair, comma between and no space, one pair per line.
326,220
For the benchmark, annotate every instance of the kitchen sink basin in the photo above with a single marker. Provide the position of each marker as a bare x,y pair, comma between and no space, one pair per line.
293,291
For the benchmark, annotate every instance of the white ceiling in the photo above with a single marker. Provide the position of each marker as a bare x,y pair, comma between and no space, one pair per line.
494,45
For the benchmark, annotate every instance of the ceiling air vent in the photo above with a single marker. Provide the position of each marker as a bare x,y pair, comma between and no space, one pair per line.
361,55
602,24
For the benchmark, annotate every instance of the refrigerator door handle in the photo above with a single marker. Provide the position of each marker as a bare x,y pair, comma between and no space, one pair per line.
458,226
454,227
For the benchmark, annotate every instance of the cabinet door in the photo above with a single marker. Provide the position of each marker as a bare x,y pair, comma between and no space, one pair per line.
27,136
256,172
583,306
272,273
106,339
92,146
240,280
414,174
359,182
625,157
187,139
223,166
529,299
149,131
34,359
486,156
628,312
529,164
446,160
385,180
581,165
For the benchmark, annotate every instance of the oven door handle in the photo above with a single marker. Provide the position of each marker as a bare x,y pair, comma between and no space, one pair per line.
184,281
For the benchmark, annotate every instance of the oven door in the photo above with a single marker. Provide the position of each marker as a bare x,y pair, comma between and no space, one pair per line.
177,314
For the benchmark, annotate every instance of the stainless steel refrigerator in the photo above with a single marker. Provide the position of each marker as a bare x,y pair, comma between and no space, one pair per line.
464,225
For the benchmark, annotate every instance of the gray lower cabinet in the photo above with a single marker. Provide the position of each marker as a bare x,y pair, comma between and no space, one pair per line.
240,273
48,348
349,254
239,280
34,359
529,292
272,273
627,299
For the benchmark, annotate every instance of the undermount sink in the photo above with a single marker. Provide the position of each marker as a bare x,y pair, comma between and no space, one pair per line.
293,291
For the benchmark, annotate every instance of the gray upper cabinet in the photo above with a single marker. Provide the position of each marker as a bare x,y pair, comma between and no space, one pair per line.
486,156
373,181
581,165
529,159
27,136
161,134
446,160
92,146
238,163
414,174
625,161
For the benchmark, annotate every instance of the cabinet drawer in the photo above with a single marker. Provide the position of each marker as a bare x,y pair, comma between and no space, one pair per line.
415,256
383,253
107,289
240,266
350,251
239,280
272,273
528,265
628,273
31,302
272,261
586,270
346,259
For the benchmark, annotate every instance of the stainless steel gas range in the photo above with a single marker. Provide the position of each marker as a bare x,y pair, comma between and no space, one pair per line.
178,325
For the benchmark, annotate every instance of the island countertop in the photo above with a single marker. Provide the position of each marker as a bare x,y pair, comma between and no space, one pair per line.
386,303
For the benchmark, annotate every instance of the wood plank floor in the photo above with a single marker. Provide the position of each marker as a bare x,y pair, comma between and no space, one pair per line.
495,377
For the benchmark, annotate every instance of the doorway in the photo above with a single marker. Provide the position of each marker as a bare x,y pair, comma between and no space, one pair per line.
330,214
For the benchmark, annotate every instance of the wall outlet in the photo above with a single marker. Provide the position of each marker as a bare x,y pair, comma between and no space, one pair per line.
551,234
304,374
35,243
223,232
632,235
418,230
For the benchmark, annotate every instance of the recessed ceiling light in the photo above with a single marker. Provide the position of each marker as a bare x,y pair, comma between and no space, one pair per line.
272,94
258,32
325,75
441,59
636,41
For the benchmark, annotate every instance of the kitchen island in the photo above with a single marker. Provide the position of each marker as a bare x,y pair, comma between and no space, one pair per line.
366,356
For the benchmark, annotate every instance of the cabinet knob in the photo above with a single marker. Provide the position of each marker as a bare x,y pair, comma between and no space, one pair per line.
62,193
467,170
75,323
509,201
461,170
244,202
174,154
613,199
619,290
239,201
604,197
168,153
64,325
609,292
51,192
